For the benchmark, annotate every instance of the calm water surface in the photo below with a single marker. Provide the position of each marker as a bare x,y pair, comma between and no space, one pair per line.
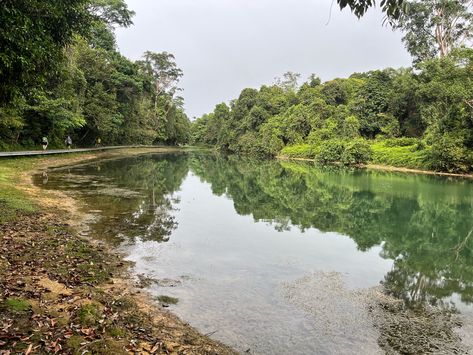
264,255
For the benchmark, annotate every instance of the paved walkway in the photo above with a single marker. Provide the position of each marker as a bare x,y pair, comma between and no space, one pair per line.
59,151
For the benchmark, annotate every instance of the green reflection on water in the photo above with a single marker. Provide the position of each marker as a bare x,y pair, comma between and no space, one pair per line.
424,223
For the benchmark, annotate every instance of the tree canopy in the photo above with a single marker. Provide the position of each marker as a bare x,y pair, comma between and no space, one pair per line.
392,8
426,109
61,74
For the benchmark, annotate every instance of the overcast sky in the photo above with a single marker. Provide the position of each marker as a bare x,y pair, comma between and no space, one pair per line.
224,46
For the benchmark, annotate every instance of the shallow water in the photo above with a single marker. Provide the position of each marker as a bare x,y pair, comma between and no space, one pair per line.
273,257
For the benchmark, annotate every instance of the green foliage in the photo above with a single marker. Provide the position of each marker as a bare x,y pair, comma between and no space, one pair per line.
398,152
392,8
449,154
62,75
434,28
330,151
298,151
356,152
33,34
410,110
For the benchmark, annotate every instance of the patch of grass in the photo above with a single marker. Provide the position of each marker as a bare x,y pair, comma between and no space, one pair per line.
75,342
17,305
298,151
12,200
167,299
406,156
116,332
123,304
89,314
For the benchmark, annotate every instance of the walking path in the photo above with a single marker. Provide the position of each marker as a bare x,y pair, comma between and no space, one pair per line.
60,151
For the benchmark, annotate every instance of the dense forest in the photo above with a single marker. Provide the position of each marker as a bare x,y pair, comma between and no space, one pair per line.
419,117
61,74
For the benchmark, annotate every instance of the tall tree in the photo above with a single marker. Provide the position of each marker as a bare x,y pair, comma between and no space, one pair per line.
162,67
32,36
434,27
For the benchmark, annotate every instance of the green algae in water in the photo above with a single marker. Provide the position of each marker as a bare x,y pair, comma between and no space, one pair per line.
167,299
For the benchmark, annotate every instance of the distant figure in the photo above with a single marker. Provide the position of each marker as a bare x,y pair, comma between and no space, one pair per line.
44,143
98,142
45,177
68,142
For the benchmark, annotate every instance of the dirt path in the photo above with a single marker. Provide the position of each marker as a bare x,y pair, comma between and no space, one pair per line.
60,293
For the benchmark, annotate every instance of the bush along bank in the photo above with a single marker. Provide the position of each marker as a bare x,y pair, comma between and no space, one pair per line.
403,154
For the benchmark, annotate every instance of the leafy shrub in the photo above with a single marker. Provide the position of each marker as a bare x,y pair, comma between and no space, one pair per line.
410,156
330,151
298,151
449,154
356,152
250,144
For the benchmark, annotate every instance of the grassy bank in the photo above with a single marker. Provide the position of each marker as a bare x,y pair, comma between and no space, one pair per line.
403,154
61,293
12,200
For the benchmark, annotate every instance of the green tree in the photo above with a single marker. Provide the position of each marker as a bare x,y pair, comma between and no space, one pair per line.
393,8
435,27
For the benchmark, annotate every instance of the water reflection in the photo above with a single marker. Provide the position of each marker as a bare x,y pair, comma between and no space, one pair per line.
423,223
127,199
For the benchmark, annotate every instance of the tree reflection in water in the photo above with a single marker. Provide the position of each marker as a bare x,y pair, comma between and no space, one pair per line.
128,198
423,223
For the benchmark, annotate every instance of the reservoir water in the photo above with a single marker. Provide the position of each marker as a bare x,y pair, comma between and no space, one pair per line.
274,257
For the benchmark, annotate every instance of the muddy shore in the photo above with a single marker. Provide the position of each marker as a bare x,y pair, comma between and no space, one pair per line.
61,293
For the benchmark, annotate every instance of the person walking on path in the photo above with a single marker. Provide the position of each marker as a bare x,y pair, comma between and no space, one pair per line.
68,142
44,143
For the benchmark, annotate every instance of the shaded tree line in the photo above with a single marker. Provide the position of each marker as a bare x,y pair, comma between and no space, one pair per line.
61,74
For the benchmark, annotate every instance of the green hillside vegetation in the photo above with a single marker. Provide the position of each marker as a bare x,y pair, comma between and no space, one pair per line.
63,75
419,117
